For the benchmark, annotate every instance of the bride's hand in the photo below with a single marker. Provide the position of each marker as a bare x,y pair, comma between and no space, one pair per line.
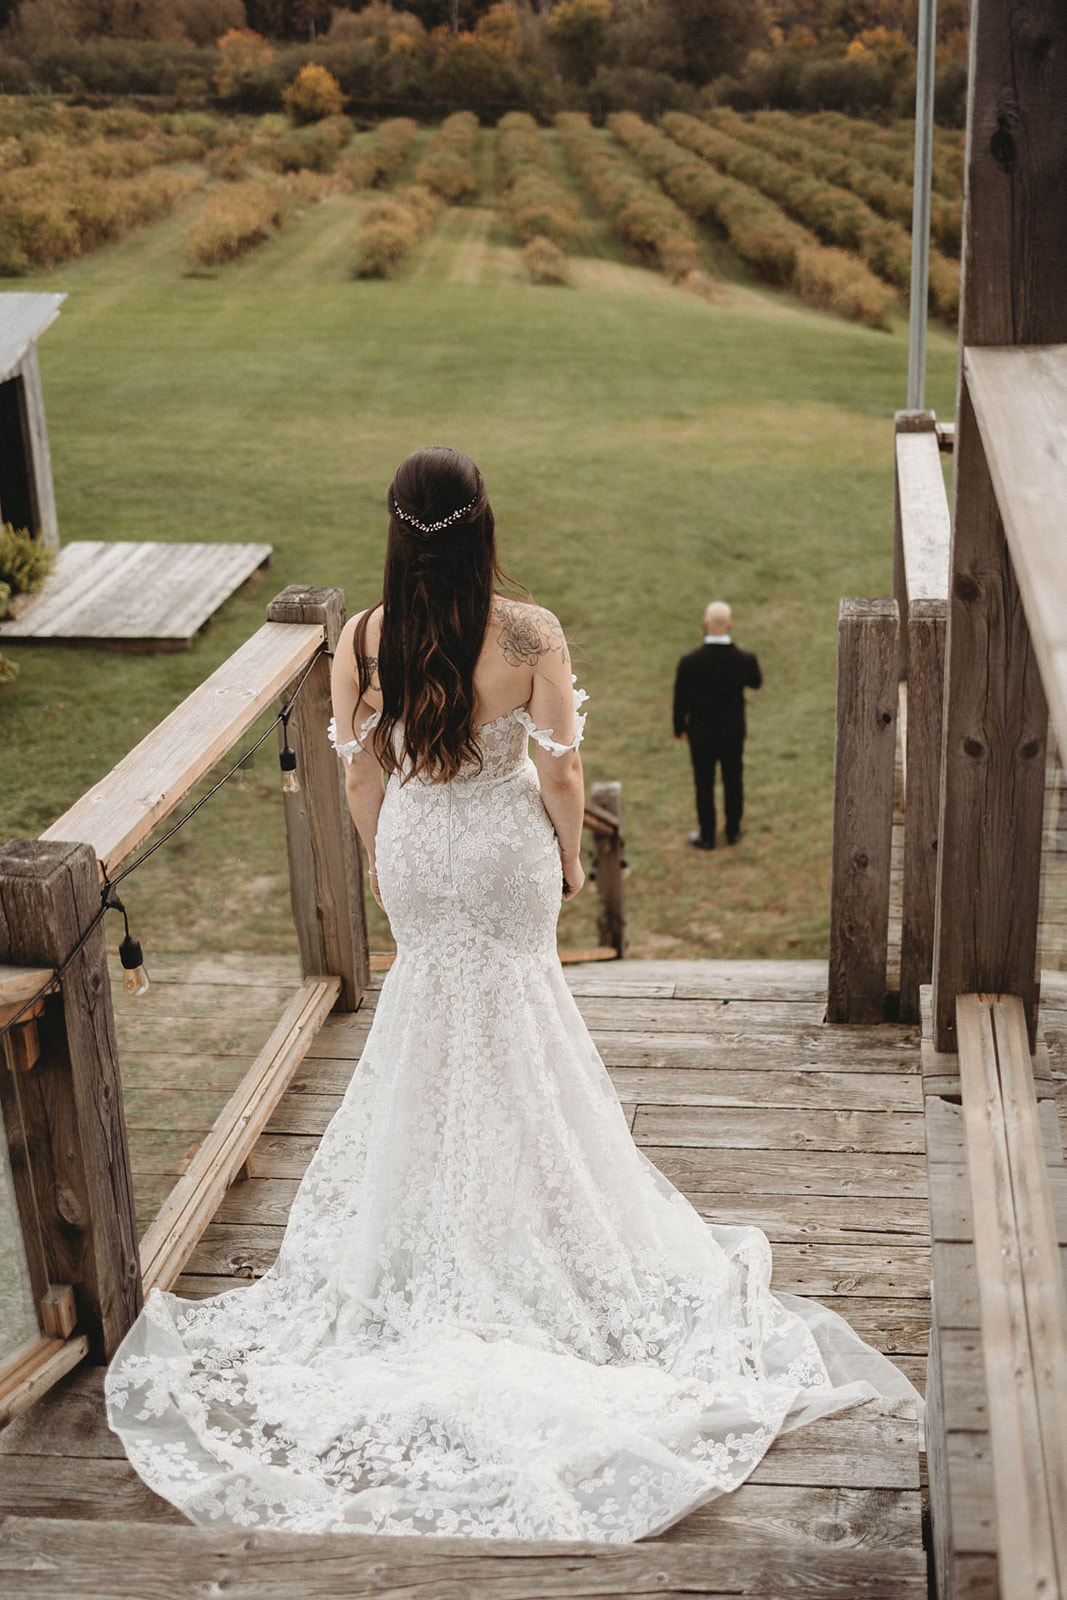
375,891
573,875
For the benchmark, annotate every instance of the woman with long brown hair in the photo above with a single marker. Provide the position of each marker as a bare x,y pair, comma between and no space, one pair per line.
490,1314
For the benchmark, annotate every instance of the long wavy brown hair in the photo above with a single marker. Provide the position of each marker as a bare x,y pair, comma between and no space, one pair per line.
437,593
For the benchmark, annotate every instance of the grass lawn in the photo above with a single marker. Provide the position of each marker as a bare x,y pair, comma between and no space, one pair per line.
645,451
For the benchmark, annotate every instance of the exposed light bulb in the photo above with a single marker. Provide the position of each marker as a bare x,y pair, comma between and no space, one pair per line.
287,761
134,976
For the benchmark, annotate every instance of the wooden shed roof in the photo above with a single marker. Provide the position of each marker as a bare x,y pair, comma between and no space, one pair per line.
23,318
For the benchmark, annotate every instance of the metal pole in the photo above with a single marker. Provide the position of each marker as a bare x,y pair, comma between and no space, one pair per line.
920,212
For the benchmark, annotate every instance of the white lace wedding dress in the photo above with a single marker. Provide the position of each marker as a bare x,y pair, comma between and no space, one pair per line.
490,1314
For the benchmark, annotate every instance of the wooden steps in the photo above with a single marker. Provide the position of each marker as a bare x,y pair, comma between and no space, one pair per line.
741,1094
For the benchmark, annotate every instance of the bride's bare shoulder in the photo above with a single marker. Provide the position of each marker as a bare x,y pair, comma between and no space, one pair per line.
525,632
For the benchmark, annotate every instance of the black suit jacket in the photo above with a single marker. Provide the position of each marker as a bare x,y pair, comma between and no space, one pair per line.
709,692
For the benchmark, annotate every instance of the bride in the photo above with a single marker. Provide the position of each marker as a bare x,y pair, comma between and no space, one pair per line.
490,1315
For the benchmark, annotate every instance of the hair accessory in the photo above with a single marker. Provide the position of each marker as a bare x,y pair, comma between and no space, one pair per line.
430,527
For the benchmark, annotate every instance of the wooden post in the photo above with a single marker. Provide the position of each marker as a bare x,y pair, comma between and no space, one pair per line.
926,673
64,1120
1014,266
325,862
609,880
904,422
864,761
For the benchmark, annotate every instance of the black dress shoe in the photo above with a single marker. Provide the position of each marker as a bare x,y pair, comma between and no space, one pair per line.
699,843
732,838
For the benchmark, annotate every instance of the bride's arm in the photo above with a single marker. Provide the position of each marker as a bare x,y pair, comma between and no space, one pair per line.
552,707
364,790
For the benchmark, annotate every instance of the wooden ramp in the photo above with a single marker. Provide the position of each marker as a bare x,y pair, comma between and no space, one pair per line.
759,1112
142,597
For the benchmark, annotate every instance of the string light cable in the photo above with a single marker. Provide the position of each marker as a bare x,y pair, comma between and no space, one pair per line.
134,977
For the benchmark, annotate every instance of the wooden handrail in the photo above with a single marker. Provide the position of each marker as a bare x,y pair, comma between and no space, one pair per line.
1019,393
1021,1294
118,813
32,1371
925,524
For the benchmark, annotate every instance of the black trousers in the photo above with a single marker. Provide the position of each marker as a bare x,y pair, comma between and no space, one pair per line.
708,753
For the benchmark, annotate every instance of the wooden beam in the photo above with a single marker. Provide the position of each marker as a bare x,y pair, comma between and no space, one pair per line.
33,1371
1014,265
864,758
1020,403
40,462
118,813
325,859
1018,1273
926,682
64,1119
19,984
606,802
922,526
194,1199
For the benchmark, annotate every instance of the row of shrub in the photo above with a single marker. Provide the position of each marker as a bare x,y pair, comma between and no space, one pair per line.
544,217
638,211
237,217
390,228
789,139
446,167
42,224
376,157
865,83
890,148
765,239
834,215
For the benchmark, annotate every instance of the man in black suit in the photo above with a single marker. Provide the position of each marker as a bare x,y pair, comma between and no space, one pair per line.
709,709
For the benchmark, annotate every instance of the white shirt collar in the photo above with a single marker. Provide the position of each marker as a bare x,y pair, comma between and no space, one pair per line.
717,638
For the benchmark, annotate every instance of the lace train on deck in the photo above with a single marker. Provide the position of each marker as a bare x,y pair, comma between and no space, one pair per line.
490,1314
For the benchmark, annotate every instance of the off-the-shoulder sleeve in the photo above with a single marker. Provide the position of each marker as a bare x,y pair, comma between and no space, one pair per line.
347,748
543,736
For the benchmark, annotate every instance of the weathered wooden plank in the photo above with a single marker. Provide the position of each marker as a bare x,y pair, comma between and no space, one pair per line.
31,1373
969,1461
194,1198
925,523
867,680
737,1128
325,860
1039,1299
1019,395
19,984
118,813
963,1391
759,1516
945,1137
98,1489
170,1563
64,1120
804,1219
956,1283
135,595
927,623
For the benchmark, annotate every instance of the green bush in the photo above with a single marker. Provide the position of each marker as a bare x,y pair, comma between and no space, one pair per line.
639,213
545,262
391,227
537,207
25,562
780,250
836,216
446,167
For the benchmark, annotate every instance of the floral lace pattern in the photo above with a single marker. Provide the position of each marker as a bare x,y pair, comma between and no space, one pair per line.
490,1314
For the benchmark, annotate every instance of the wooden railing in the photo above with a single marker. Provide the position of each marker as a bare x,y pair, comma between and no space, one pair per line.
61,1092
890,688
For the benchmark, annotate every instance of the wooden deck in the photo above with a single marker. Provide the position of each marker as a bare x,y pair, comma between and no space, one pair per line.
739,1092
141,597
